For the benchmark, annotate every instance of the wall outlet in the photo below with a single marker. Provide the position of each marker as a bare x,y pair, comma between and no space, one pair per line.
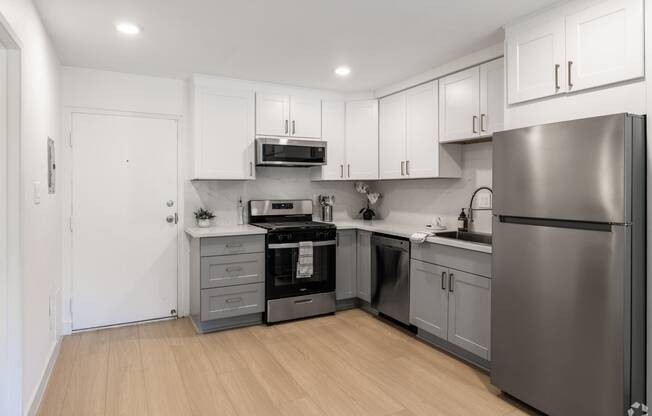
484,200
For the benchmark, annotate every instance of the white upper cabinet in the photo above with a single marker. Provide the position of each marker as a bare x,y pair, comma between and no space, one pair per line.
333,132
305,117
535,61
223,133
392,153
459,104
604,44
492,93
575,47
272,114
282,115
422,141
362,140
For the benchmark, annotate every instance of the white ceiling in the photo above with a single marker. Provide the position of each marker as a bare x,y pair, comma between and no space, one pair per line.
297,42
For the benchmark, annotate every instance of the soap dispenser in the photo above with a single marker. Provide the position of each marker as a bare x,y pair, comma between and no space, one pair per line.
462,221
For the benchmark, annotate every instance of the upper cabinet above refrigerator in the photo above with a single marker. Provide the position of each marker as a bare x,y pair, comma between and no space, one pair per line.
573,48
288,116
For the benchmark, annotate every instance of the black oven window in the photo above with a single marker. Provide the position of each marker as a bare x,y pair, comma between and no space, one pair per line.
289,153
284,266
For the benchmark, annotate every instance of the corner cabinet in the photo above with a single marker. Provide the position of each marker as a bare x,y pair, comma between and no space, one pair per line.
471,103
361,130
345,274
364,265
573,48
288,116
409,145
333,115
450,297
223,122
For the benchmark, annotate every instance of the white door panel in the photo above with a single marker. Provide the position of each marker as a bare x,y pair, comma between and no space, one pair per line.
492,92
391,137
334,135
423,131
362,139
124,250
604,44
459,105
272,114
306,117
535,61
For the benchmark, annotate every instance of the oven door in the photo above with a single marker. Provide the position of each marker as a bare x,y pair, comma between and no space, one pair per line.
281,279
286,152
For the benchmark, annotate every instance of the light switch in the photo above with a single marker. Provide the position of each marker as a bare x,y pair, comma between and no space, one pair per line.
37,193
484,200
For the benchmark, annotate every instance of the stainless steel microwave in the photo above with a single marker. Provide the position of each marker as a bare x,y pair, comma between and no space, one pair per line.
271,151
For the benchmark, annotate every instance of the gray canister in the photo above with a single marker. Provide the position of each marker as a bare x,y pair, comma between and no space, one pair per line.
326,202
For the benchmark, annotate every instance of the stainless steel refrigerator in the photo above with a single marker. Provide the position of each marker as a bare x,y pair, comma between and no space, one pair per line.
568,288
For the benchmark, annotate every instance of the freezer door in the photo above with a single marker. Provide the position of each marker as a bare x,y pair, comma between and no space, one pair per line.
574,170
559,314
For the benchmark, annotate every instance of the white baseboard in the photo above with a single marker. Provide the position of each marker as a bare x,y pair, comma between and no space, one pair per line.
67,327
35,402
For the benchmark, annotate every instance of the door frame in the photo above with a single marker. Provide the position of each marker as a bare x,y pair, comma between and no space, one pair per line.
11,220
67,197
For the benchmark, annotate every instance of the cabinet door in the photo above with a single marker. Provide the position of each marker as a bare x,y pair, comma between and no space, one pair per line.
459,105
224,134
272,114
469,312
535,61
333,133
492,103
429,297
362,140
305,117
604,44
346,269
391,137
423,131
364,265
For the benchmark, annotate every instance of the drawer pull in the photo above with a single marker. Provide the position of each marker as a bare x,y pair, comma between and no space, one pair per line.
303,301
234,300
233,245
234,269
451,282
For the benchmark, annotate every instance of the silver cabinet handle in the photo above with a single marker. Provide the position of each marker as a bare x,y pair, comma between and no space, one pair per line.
303,301
570,65
557,86
294,129
483,122
443,280
451,282
348,168
402,168
234,269
475,118
407,167
232,245
234,300
287,126
341,171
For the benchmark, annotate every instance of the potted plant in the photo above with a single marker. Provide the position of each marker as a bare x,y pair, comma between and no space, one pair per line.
204,217
372,198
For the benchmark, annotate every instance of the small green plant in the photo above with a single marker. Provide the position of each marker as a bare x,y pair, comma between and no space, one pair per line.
204,214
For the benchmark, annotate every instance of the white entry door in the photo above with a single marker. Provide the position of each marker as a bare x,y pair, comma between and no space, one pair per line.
124,228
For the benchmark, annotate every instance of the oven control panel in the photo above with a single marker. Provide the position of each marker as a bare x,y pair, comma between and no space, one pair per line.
280,237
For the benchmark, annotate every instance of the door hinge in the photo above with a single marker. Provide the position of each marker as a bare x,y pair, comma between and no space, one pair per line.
70,223
70,306
70,137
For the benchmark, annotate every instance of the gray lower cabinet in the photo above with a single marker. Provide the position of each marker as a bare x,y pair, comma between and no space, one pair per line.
227,281
364,265
345,271
452,304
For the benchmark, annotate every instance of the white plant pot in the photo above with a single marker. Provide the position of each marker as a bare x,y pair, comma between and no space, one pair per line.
204,223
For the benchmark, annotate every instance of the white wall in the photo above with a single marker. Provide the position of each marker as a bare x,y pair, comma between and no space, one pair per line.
41,224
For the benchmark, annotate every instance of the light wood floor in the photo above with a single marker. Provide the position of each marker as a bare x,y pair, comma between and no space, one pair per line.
347,364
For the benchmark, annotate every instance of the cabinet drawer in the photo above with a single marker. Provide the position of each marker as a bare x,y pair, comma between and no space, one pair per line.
456,258
219,246
236,269
227,302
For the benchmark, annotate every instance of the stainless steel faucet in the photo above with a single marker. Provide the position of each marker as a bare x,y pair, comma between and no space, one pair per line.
482,188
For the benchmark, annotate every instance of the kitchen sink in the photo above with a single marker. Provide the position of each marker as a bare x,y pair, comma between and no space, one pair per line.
466,236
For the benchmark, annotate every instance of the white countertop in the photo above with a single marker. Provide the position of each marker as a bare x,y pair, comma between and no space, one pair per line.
224,231
406,230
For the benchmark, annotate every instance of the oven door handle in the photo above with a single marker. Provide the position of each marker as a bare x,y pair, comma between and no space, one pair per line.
296,245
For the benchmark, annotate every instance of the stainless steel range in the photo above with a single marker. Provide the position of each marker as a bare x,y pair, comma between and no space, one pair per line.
300,259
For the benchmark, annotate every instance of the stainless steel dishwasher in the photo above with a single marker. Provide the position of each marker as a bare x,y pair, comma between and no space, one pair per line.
390,277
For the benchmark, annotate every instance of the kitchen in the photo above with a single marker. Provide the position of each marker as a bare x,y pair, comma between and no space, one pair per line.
505,175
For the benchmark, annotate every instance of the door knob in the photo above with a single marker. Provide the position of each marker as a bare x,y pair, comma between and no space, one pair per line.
170,203
169,219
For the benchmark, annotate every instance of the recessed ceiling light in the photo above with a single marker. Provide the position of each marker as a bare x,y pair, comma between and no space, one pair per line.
127,28
342,71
